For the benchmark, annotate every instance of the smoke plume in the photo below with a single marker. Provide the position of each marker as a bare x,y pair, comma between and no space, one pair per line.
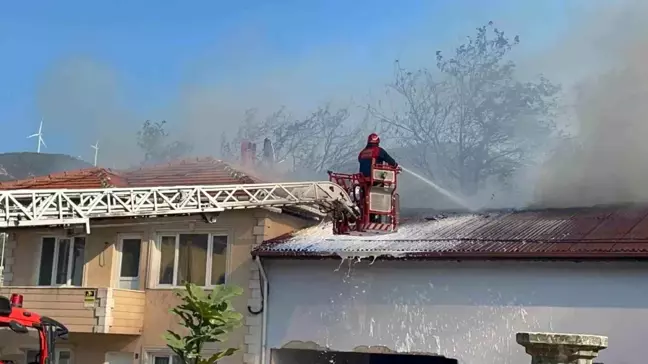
600,60
83,99
605,161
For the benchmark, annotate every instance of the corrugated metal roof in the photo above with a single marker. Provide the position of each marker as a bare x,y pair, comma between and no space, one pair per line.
206,171
600,232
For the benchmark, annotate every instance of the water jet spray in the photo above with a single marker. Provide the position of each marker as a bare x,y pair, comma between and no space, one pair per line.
456,199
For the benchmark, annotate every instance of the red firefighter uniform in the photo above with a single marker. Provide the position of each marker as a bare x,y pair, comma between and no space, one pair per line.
373,154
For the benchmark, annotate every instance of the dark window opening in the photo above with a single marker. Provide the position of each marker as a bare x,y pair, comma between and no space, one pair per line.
131,249
61,261
304,356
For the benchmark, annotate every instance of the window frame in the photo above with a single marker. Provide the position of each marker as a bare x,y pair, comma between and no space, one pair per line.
159,353
176,258
57,353
119,255
55,261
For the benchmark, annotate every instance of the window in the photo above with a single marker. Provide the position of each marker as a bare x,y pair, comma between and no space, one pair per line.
130,257
63,356
165,359
61,261
196,258
129,249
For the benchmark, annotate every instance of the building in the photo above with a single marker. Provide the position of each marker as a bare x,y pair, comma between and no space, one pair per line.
149,229
459,286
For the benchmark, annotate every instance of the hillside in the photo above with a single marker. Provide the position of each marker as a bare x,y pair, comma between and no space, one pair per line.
26,164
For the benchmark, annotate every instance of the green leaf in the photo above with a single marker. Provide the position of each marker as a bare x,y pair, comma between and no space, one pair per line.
223,293
174,340
208,317
218,356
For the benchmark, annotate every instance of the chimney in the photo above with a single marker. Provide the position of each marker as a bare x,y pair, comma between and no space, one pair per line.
248,153
268,152
245,147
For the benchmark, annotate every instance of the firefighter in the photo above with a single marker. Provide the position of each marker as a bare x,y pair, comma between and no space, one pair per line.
373,153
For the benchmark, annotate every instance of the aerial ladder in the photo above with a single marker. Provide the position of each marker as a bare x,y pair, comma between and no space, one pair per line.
355,204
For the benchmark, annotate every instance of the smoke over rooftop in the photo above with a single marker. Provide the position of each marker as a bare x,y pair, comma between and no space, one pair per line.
600,62
606,160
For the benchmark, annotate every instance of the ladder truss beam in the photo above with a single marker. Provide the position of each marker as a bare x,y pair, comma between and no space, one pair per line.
22,208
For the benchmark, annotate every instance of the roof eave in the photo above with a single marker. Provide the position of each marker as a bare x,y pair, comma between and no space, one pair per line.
570,256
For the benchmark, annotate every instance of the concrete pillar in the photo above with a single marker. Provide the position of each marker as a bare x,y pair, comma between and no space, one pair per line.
552,348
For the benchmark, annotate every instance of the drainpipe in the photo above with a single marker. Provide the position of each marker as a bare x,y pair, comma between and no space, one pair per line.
3,237
264,305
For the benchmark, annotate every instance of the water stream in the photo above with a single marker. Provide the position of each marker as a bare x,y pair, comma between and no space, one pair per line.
456,199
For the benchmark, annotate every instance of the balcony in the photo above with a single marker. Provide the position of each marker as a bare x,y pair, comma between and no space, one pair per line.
86,309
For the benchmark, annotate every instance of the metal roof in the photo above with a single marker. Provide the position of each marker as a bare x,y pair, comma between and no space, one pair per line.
582,233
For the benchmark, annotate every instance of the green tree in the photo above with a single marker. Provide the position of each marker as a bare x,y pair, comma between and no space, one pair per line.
472,119
153,139
208,317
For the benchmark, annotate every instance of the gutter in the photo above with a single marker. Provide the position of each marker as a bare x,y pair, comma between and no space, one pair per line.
264,309
455,255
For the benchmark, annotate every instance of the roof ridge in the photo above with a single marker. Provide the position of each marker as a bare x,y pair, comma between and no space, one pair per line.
238,174
105,177
88,170
173,162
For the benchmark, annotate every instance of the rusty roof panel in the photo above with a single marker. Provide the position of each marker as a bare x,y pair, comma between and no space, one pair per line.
639,230
586,232
618,224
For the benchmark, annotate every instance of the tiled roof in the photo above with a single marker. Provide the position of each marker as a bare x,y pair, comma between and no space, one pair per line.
585,233
78,179
206,171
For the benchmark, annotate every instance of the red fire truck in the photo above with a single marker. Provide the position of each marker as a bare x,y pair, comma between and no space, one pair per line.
20,321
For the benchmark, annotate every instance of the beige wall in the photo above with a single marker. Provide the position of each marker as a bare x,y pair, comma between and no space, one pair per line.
99,251
244,228
277,225
239,225
114,311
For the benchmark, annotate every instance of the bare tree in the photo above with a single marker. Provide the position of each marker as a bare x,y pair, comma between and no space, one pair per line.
421,128
336,140
154,141
326,139
287,133
471,120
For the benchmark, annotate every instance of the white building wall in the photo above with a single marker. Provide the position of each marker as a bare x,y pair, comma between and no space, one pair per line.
465,310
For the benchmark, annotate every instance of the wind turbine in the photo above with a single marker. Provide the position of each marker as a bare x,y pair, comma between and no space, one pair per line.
40,137
96,148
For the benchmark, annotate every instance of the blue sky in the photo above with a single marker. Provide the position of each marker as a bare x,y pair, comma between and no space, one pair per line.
153,52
